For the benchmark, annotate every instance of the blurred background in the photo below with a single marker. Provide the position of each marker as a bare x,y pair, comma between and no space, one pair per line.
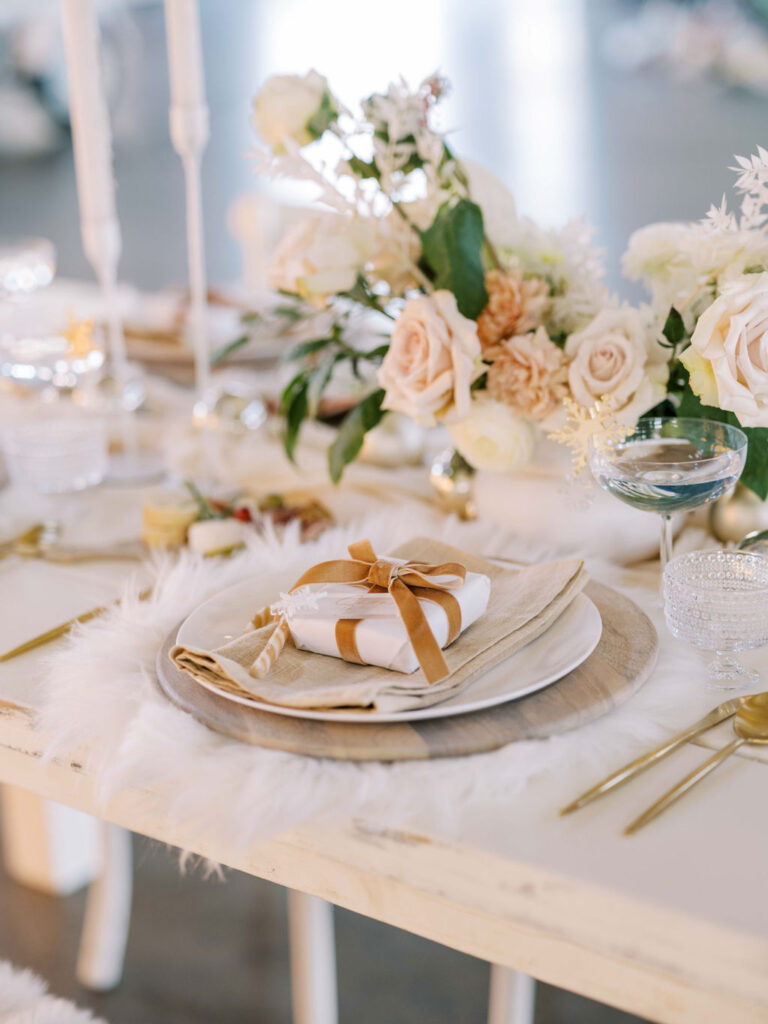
619,112
622,113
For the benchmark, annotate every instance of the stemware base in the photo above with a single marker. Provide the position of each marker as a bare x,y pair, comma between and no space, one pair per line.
725,672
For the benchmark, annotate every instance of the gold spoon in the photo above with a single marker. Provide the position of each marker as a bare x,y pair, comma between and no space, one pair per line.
750,725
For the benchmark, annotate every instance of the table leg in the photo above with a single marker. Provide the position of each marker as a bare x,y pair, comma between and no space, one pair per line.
45,845
511,998
313,959
107,914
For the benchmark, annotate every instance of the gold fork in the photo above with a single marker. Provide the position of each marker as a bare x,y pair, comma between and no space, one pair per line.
57,631
634,768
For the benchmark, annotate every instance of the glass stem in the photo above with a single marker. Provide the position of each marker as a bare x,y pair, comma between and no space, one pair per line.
665,549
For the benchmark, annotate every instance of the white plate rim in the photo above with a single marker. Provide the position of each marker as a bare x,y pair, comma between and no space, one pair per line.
444,709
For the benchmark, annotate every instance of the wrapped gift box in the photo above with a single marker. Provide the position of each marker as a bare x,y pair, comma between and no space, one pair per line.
380,636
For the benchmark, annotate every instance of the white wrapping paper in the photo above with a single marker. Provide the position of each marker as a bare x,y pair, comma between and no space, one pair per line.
381,639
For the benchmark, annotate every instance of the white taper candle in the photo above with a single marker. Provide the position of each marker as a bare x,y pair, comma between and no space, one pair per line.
92,143
189,133
91,137
185,55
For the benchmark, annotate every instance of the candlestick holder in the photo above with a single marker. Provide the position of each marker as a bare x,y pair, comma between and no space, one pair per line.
189,127
92,143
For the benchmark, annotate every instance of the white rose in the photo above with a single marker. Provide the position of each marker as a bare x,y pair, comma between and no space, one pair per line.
293,107
653,248
492,437
432,360
681,263
321,256
732,336
616,356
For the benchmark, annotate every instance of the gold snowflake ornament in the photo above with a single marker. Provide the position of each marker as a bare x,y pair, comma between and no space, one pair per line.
583,424
79,334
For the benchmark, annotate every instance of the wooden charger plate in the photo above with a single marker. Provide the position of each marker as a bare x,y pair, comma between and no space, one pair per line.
617,668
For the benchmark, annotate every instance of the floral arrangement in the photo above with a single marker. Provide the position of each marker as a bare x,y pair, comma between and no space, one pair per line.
488,320
481,320
708,282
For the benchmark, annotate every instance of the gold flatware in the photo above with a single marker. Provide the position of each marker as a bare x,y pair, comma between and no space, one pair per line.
66,555
42,542
634,768
29,536
57,631
750,726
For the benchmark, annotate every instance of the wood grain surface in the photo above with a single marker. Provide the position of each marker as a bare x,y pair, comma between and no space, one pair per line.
617,668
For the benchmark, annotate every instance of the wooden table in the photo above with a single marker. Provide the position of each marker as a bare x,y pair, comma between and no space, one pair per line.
671,924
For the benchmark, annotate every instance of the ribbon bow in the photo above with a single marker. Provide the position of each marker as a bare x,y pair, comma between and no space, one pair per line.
406,582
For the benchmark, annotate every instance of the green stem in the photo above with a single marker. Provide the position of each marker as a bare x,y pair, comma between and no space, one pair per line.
491,250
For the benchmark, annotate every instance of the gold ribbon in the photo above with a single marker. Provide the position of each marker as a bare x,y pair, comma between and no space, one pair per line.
407,583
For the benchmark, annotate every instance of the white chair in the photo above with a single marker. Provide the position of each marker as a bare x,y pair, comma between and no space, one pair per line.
54,849
512,996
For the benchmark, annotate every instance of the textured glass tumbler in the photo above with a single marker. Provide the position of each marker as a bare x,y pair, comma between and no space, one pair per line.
718,601
56,456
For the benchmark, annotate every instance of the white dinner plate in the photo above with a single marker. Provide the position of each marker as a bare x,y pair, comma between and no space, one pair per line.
564,646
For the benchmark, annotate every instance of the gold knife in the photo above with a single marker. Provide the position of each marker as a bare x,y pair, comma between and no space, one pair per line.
57,631
629,771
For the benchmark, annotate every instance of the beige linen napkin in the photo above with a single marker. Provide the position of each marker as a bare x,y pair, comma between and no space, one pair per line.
524,603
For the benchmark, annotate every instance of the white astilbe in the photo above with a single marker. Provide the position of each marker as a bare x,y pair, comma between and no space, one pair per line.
567,259
752,185
719,219
293,164
687,265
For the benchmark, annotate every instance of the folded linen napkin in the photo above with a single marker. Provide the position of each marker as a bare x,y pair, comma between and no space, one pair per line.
523,604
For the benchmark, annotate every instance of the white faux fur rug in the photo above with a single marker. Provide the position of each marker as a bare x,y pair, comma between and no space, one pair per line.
100,698
24,1000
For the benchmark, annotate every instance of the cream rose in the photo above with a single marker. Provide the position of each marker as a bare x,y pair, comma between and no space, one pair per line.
492,437
432,360
732,336
615,356
293,107
321,256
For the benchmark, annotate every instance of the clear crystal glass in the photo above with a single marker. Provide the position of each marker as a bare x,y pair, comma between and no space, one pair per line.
56,456
669,465
718,601
26,264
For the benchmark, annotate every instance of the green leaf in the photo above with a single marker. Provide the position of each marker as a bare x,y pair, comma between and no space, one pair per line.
355,426
755,475
359,292
294,404
323,117
452,250
292,313
204,510
375,353
306,348
318,381
226,350
674,328
363,168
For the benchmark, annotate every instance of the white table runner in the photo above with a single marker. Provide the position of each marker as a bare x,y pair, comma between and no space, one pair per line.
100,702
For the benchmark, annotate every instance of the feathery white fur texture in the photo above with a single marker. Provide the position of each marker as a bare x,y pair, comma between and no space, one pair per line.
101,702
23,1000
